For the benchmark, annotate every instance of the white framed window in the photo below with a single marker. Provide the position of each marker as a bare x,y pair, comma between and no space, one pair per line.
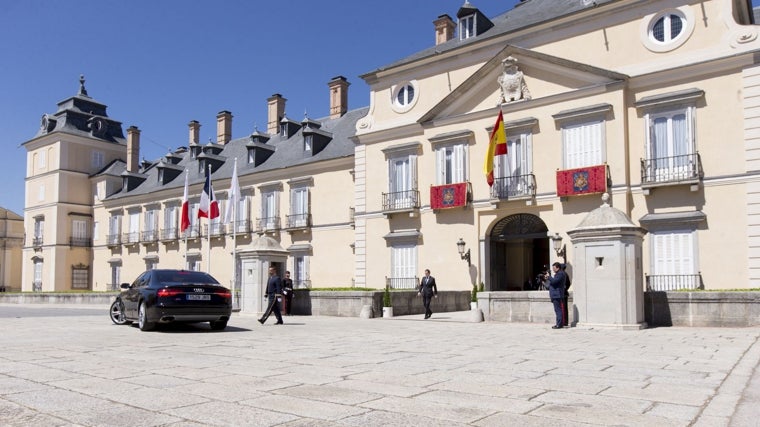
308,142
192,229
667,27
402,180
513,170
467,27
673,259
299,206
301,271
670,145
583,144
403,265
134,228
37,284
39,228
79,232
451,163
114,228
98,160
216,226
404,96
193,263
115,276
151,220
171,213
269,209
242,214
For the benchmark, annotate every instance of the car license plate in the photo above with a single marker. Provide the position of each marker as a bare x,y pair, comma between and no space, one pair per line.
193,297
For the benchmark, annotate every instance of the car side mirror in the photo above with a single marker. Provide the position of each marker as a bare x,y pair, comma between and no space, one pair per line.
125,285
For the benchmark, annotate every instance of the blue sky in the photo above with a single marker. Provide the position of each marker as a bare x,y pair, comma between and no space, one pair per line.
159,64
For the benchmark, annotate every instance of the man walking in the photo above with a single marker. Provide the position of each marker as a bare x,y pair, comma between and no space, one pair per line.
428,290
557,285
274,292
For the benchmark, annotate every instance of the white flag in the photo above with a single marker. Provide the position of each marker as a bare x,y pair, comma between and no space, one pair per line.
233,198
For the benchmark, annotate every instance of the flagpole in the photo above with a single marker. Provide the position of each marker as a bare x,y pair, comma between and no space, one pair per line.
234,238
187,174
208,218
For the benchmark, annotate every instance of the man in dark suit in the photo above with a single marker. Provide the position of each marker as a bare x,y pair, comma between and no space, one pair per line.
428,290
557,285
274,292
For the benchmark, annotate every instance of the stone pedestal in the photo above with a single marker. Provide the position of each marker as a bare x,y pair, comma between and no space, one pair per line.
608,288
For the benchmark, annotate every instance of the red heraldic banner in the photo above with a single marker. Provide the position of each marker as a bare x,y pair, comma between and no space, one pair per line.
448,196
588,180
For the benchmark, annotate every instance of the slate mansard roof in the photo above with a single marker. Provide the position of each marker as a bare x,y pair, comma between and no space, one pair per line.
288,152
525,14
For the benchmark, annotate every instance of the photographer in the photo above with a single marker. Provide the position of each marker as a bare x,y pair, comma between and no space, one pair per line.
557,286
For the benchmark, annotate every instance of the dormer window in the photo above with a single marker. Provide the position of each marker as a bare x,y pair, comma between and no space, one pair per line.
308,141
467,27
284,130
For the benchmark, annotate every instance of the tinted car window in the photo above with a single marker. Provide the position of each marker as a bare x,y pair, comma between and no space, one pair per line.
183,277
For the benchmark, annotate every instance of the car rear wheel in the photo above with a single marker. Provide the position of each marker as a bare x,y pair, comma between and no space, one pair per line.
142,318
117,314
218,325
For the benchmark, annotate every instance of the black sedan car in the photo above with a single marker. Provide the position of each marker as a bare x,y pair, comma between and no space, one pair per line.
165,296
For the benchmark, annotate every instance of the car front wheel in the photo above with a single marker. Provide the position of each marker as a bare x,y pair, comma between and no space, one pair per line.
117,313
142,318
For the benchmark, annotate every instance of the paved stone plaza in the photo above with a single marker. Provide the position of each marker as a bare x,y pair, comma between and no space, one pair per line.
81,369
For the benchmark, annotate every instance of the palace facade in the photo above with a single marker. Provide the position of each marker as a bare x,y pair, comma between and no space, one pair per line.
654,103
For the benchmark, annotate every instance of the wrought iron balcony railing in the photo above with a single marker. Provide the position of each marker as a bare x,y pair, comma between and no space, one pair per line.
80,241
672,282
37,242
130,238
241,226
271,223
514,187
169,233
113,239
401,200
302,220
149,236
674,169
215,229
402,282
193,231
37,286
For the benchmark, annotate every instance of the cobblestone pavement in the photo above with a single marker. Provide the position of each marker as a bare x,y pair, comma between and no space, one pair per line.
81,370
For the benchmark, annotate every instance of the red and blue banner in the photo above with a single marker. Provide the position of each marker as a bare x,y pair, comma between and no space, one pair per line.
448,196
588,180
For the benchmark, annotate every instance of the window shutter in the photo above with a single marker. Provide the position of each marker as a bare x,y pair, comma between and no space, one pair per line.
440,164
459,162
583,144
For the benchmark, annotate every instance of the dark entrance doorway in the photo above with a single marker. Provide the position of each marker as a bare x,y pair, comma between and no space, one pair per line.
519,251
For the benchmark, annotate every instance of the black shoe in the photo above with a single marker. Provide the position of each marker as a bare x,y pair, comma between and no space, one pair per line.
556,327
261,321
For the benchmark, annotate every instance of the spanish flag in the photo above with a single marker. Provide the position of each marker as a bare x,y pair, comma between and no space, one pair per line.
496,147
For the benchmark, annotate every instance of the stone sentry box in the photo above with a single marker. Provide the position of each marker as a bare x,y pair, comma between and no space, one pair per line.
608,286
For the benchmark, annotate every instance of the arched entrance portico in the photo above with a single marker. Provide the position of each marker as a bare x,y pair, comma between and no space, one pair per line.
519,249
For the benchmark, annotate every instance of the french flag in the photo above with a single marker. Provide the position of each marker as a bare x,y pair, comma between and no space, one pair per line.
209,207
185,221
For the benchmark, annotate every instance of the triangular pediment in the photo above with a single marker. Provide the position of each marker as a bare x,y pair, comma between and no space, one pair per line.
547,78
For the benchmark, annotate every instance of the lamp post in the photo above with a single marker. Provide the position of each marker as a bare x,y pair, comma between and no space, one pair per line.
559,248
462,253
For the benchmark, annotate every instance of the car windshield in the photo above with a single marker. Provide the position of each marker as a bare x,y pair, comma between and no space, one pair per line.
184,277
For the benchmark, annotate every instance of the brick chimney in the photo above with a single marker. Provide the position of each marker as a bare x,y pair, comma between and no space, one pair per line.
338,96
223,127
276,111
195,132
444,29
133,149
